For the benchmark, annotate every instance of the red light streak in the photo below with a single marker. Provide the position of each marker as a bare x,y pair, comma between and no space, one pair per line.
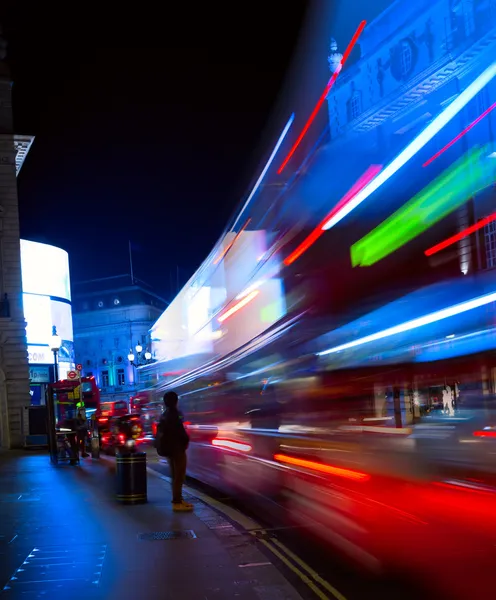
460,135
459,236
231,444
485,433
321,101
322,468
364,180
229,246
238,306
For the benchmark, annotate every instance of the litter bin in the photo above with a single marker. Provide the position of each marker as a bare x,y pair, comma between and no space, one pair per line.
131,478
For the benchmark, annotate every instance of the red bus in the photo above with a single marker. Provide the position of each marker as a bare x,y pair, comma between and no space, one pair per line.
116,408
66,395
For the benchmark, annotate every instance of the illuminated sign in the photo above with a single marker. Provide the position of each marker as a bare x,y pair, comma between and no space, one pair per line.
45,270
40,354
46,301
39,374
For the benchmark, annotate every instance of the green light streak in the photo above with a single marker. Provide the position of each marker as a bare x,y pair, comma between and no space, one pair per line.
467,176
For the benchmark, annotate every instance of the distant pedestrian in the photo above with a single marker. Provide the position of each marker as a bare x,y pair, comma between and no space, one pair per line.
82,431
172,442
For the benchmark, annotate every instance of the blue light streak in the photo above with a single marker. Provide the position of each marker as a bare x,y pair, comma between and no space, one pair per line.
416,144
433,317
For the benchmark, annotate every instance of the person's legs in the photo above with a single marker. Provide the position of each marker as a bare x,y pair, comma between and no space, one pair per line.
72,439
178,476
82,443
172,466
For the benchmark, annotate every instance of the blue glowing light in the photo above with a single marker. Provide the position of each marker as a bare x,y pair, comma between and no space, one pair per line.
416,144
433,317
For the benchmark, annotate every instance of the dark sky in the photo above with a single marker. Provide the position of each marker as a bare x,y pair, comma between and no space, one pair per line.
148,123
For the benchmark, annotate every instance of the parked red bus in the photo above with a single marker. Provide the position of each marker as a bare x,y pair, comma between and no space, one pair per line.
66,395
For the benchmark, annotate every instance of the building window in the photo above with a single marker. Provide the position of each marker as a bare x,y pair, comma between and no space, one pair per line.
89,374
490,243
406,59
354,106
105,379
121,378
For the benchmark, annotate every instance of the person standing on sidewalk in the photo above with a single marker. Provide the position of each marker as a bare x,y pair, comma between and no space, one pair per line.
172,442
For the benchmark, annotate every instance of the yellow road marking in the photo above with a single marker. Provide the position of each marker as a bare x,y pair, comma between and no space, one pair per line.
331,589
250,525
295,570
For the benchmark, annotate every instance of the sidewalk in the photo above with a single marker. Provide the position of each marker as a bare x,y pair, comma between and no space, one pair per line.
62,535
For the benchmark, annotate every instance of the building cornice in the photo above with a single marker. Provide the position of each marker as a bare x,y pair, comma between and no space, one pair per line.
22,144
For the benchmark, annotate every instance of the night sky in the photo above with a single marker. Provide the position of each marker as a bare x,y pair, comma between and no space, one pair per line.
148,125
151,124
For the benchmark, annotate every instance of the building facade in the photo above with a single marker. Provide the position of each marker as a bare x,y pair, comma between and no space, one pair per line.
111,318
14,369
415,59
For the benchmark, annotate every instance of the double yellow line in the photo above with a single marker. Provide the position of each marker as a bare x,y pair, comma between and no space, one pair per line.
300,568
319,586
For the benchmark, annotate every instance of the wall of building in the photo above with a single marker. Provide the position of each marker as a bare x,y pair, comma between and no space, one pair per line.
107,326
14,371
415,59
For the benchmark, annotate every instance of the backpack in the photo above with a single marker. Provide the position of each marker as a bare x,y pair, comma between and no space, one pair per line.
162,442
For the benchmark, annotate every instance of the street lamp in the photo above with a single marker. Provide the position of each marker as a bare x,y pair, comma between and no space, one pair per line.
140,358
55,343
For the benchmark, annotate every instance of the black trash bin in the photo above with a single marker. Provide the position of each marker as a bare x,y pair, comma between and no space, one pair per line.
131,478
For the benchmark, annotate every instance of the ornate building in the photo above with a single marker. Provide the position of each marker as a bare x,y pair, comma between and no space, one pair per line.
14,370
111,317
415,59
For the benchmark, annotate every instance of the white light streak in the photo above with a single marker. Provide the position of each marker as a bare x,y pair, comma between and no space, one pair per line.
266,168
416,144
439,315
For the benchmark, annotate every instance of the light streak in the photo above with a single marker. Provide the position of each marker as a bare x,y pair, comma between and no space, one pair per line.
438,315
321,467
231,444
459,136
323,97
242,303
459,236
231,244
417,143
266,168
318,231
467,176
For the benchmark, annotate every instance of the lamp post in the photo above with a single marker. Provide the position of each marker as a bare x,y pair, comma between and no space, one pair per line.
55,344
140,358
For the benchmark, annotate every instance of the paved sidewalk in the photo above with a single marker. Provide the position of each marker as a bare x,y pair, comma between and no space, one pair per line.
62,535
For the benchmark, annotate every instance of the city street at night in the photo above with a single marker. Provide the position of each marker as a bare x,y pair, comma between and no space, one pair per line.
248,300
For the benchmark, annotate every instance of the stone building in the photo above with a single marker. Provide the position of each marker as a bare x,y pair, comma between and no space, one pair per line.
14,370
111,317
